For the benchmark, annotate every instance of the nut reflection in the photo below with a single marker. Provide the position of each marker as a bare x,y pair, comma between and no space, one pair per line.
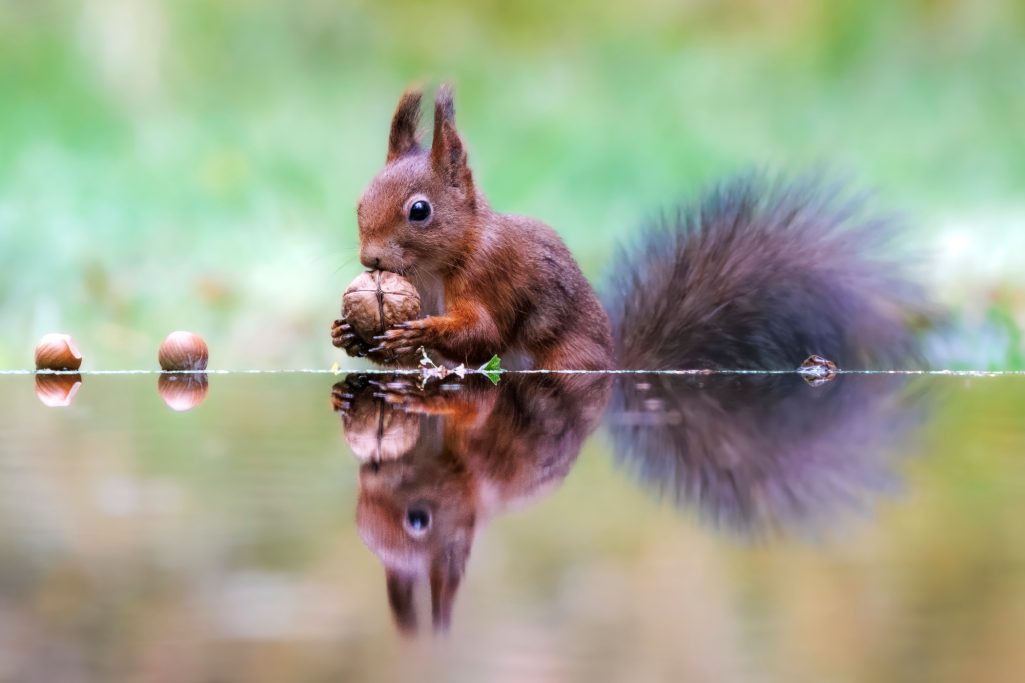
182,391
377,432
57,390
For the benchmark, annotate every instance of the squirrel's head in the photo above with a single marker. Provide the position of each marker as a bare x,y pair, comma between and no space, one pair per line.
416,212
418,513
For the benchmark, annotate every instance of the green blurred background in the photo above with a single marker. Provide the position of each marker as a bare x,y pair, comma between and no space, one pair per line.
195,164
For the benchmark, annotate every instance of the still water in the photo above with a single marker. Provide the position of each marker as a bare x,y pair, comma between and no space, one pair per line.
304,527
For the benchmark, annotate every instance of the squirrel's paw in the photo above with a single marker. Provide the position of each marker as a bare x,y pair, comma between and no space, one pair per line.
401,393
345,338
342,397
404,340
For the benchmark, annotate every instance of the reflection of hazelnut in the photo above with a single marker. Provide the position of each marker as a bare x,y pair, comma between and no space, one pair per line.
182,391
183,351
57,391
376,431
817,370
377,300
57,352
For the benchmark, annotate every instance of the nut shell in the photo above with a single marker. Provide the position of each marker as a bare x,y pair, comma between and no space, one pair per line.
376,431
378,299
57,351
183,351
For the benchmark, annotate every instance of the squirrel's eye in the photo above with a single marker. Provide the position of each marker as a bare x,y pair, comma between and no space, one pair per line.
417,521
419,211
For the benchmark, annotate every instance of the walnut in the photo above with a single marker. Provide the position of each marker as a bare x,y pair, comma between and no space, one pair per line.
376,431
378,299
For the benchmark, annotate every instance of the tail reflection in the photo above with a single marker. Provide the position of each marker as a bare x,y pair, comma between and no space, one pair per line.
437,463
766,453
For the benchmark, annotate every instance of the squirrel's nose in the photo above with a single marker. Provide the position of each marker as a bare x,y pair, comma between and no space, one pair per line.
370,261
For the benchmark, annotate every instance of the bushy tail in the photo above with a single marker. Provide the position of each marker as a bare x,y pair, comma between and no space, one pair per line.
760,275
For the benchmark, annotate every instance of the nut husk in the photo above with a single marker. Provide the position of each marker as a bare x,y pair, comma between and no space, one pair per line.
378,299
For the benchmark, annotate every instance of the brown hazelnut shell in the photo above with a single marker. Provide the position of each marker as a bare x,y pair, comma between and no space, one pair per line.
183,350
56,351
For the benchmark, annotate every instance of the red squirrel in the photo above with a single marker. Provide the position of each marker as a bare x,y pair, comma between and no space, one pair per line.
461,453
757,275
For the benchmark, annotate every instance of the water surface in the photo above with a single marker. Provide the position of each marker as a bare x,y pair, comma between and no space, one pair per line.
313,527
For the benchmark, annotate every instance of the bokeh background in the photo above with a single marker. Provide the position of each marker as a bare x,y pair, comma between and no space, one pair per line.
195,164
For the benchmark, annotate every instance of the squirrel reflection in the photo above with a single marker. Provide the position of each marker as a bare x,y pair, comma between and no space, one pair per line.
439,461
763,454
752,453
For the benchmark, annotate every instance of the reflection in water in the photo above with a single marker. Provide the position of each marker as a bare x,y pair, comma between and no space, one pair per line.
138,544
441,461
752,453
182,391
57,390
762,453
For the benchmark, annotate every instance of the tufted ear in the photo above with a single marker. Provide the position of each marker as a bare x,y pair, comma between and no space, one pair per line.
446,574
402,139
448,155
400,599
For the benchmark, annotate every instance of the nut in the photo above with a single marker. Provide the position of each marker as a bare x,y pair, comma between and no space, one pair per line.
376,431
378,299
57,352
57,391
182,391
817,370
183,351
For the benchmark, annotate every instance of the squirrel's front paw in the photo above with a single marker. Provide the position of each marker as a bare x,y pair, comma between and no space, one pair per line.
401,393
403,341
345,338
342,397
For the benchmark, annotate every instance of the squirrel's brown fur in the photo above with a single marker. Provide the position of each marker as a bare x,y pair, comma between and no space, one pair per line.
492,283
758,275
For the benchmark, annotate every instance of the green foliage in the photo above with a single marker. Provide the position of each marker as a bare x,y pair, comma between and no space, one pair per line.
492,369
195,164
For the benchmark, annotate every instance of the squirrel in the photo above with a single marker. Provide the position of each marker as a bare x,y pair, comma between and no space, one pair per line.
752,455
757,275
438,461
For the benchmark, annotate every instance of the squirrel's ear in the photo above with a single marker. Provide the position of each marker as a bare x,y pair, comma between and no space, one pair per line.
448,155
403,138
400,599
446,574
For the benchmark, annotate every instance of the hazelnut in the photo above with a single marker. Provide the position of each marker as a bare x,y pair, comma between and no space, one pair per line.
183,351
57,391
57,352
378,299
182,391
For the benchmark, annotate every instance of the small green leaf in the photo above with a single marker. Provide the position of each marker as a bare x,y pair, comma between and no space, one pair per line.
492,369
